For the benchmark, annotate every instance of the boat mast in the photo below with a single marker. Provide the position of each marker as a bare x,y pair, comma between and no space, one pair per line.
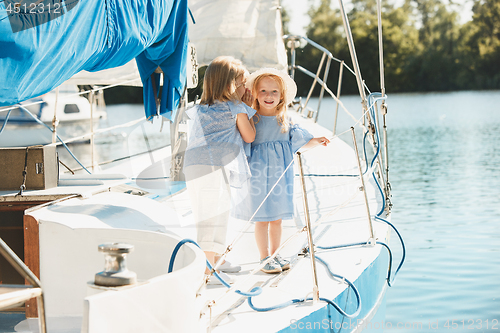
354,57
360,83
383,107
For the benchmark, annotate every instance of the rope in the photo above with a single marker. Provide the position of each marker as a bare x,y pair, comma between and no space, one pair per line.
42,123
258,290
25,172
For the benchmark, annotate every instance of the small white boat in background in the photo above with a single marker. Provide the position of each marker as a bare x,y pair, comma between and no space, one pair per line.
63,107
136,209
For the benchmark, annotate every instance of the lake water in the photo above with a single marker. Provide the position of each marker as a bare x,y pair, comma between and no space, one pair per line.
444,152
444,158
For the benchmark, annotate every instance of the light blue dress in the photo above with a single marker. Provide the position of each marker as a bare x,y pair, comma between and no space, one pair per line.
271,153
215,161
214,139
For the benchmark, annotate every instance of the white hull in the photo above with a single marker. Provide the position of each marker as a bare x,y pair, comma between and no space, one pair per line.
72,229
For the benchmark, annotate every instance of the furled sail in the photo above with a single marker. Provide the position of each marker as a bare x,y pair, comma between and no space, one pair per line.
43,46
249,30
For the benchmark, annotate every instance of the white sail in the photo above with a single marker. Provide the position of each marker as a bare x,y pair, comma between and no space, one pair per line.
245,29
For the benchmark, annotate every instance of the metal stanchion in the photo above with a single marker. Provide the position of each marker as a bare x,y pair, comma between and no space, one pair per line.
309,231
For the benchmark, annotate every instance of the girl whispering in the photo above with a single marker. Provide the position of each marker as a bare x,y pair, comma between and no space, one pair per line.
272,151
216,156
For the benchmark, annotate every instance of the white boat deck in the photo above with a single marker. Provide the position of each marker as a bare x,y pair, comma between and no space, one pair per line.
337,213
336,203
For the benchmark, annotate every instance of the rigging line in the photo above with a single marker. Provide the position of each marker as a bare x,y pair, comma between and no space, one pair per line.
401,241
329,54
372,110
335,210
5,121
258,290
358,122
76,94
247,224
289,239
302,300
102,130
363,244
260,265
174,255
125,157
327,90
42,123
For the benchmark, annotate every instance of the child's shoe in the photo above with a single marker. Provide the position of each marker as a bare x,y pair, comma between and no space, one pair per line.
271,267
285,264
229,268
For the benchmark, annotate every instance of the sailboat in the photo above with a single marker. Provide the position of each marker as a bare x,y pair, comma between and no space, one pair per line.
62,110
114,250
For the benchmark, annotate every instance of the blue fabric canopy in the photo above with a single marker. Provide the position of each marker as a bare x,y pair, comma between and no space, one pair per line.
42,47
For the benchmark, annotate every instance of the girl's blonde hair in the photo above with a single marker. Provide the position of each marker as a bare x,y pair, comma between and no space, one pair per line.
219,83
281,107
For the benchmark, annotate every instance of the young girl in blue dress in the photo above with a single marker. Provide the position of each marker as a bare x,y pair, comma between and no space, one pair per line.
216,156
272,151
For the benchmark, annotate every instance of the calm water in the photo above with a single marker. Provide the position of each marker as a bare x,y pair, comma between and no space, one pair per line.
445,173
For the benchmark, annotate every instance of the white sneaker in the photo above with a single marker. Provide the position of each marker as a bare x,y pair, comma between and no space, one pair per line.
229,268
215,281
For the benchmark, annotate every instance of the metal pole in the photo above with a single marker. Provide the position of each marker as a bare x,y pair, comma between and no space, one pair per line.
26,273
42,324
362,183
315,79
18,265
383,107
292,44
380,165
325,77
54,120
380,47
92,101
352,51
386,149
341,72
309,231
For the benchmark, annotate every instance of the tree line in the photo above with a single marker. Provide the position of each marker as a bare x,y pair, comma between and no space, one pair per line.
425,46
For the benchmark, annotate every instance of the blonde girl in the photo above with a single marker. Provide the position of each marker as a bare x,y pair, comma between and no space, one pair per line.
276,141
221,129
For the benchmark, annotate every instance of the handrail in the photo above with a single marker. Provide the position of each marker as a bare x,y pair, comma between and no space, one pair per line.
26,273
294,43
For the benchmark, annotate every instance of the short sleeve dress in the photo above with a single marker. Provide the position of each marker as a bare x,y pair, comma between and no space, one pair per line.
214,139
271,153
215,161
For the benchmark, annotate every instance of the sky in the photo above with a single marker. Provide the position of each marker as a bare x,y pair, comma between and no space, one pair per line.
297,10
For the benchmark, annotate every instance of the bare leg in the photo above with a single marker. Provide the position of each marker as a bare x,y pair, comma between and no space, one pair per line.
211,259
261,238
274,235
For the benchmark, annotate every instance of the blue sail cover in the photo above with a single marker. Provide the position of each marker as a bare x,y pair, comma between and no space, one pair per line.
44,43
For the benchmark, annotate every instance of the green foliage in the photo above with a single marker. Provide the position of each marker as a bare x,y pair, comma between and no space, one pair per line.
425,47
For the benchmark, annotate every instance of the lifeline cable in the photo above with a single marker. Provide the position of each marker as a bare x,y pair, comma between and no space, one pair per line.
258,290
42,123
